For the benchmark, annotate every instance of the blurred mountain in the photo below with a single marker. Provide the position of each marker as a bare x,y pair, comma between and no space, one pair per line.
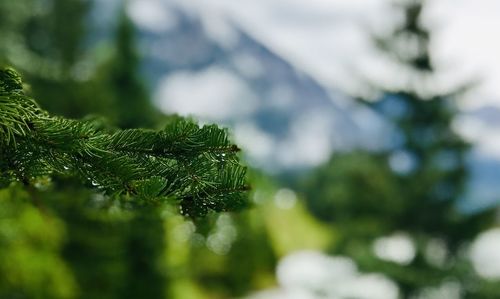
208,66
213,69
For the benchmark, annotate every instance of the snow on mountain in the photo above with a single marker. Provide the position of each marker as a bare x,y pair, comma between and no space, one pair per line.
218,72
268,69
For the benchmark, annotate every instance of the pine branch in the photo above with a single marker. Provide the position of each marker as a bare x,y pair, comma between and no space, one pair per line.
196,165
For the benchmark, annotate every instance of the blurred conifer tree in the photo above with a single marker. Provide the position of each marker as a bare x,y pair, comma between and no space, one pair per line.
121,75
111,255
413,188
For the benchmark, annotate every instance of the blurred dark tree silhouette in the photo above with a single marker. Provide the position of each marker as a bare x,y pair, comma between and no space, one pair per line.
414,187
111,257
127,253
121,77
104,250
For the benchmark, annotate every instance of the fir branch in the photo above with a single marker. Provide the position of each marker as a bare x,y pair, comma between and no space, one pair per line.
197,165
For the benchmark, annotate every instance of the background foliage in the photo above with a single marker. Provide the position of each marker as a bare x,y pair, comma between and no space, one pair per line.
120,234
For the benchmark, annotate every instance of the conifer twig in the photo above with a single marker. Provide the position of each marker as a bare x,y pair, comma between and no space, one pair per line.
183,160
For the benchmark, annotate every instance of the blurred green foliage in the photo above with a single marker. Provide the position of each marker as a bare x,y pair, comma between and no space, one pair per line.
358,192
31,241
63,241
110,256
108,251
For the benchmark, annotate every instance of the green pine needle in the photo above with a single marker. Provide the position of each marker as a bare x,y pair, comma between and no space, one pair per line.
196,165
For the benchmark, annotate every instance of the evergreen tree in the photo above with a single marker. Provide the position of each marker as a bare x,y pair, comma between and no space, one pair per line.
412,188
56,35
120,75
134,168
145,244
111,255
